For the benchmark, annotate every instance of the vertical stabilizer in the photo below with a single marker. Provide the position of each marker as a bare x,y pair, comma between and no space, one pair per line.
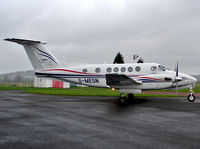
40,57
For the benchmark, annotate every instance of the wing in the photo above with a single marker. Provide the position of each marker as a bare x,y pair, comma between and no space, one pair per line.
120,80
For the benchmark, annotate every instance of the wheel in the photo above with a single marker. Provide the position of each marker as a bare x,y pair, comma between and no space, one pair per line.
191,97
130,98
122,100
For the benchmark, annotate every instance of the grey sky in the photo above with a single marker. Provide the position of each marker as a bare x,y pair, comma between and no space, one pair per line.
93,31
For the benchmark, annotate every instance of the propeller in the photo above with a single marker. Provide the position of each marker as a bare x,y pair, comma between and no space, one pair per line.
176,81
177,69
177,78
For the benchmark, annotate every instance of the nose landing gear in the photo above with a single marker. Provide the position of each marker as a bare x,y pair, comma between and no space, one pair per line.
191,97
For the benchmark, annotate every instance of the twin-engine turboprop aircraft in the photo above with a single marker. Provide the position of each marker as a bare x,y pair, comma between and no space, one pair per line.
128,78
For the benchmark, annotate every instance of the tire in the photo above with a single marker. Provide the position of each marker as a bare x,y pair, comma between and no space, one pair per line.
130,98
122,100
191,97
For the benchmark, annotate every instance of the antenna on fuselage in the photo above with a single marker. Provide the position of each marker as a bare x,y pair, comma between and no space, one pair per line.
138,58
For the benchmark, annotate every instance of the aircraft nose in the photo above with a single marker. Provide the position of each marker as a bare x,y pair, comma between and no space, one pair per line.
192,79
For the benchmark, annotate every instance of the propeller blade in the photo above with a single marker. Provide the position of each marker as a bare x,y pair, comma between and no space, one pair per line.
176,87
177,78
177,69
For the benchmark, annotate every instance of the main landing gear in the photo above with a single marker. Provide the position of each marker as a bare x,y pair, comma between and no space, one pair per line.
126,100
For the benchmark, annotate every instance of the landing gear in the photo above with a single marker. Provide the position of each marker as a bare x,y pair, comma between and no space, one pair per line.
191,97
124,100
130,98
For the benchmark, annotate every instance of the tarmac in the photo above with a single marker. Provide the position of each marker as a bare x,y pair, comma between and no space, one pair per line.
64,122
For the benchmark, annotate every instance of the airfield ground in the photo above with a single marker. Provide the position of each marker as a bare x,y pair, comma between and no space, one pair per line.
91,91
48,122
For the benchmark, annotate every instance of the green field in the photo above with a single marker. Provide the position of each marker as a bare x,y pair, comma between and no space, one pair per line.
83,91
196,89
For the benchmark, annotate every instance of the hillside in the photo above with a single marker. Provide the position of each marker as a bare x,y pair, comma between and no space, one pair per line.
17,77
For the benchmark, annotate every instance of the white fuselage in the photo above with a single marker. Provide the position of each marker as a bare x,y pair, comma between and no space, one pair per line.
152,75
132,77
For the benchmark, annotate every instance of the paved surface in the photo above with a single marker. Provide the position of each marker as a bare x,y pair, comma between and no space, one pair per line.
170,93
55,122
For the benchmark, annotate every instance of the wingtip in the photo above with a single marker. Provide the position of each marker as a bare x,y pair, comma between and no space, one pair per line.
9,39
6,39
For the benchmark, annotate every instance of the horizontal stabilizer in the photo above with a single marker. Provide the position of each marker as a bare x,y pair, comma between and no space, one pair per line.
24,41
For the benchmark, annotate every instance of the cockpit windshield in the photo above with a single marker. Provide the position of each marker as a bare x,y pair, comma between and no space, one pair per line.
162,68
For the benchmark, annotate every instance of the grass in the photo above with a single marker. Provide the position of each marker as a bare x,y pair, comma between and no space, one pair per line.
85,91
73,91
196,90
88,91
76,91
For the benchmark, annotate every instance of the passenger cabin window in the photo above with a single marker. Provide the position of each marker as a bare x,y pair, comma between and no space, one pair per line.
130,69
97,70
161,68
85,70
109,69
123,69
116,69
137,68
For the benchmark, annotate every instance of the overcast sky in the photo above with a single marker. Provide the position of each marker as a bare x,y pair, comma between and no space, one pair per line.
93,31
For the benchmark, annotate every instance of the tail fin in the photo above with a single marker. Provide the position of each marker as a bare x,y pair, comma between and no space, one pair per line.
40,57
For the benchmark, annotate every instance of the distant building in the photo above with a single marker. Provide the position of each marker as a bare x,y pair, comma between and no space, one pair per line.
48,82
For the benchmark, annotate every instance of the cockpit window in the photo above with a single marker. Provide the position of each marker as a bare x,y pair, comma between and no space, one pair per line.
161,68
153,68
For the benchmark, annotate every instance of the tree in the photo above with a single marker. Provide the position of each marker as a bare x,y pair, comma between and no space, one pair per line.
119,59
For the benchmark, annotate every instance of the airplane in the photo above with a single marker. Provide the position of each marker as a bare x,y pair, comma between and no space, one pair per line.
130,78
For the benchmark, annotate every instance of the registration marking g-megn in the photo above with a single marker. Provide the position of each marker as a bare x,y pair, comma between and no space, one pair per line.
88,80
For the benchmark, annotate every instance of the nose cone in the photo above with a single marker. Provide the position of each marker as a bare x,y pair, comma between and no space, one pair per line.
187,80
193,79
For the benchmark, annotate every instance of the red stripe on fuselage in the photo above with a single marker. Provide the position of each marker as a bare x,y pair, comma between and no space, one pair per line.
71,71
150,78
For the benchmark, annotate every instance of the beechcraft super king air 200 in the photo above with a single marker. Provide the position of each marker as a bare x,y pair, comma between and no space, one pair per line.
129,78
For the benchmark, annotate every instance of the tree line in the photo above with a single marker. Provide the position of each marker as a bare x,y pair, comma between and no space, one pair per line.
119,59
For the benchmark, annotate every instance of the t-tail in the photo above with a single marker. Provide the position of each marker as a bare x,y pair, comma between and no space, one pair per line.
40,57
